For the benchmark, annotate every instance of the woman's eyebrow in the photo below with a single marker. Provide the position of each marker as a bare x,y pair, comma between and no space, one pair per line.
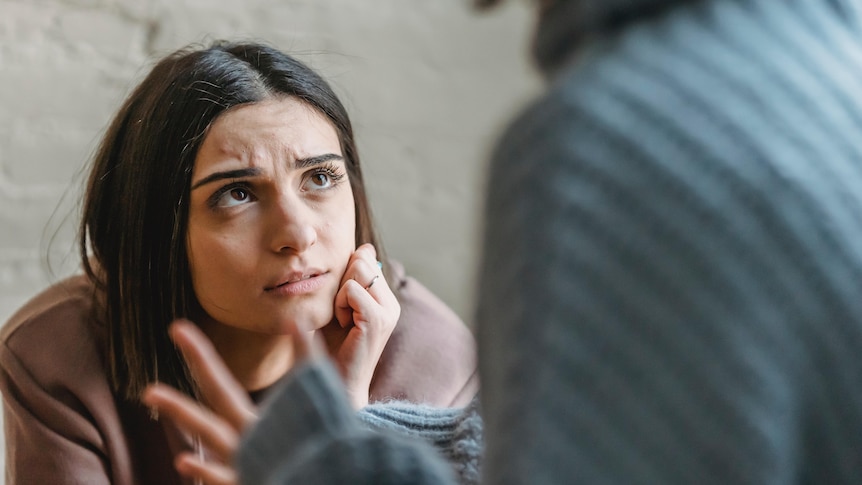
228,174
251,172
316,160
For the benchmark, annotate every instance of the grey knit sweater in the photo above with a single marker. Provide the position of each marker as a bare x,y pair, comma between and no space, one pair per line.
308,434
671,286
672,279
455,433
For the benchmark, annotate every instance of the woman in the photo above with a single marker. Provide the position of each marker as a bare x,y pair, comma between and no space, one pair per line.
227,190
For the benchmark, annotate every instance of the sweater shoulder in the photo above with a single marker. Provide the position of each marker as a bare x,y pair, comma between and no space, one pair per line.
431,355
71,295
53,336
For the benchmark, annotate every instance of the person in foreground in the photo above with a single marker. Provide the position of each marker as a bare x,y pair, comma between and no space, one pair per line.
670,286
228,191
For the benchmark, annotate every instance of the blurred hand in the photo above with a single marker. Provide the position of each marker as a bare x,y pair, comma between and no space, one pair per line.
367,312
228,411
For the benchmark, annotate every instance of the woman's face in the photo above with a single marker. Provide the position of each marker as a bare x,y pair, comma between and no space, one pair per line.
271,218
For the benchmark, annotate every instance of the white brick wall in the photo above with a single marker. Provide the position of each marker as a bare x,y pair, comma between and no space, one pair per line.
427,83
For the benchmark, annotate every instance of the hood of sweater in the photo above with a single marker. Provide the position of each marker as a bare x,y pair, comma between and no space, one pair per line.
564,25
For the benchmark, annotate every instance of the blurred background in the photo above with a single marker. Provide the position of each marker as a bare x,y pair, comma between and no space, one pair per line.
428,85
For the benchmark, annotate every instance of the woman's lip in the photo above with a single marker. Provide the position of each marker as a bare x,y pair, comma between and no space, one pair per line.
299,287
295,276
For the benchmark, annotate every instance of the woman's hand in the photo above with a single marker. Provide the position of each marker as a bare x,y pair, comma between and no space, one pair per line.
367,312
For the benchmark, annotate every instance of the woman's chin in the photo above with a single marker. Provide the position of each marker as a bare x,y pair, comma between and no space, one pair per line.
308,324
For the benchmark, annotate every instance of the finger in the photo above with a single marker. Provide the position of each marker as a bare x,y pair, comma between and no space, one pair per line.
374,283
217,384
367,252
343,312
216,434
364,253
348,301
365,274
209,473
357,304
360,273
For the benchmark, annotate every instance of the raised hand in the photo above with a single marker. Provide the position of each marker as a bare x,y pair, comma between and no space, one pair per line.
218,427
230,410
367,312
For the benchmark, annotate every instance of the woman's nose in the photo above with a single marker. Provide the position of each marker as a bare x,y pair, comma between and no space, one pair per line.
294,226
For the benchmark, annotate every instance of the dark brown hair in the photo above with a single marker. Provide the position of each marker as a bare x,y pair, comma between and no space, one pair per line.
135,215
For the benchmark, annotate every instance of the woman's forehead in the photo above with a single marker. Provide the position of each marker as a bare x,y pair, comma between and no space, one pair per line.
284,128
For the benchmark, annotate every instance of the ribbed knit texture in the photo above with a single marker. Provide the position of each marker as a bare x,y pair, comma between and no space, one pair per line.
671,288
308,434
456,433
315,409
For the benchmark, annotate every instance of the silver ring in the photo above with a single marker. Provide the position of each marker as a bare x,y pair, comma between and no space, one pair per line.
372,281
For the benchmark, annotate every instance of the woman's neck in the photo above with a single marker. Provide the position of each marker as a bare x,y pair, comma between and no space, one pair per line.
256,360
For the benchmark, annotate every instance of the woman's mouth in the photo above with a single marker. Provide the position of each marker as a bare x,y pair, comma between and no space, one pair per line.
299,284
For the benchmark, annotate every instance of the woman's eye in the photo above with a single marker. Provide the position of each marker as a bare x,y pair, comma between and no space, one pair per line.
323,178
320,180
233,197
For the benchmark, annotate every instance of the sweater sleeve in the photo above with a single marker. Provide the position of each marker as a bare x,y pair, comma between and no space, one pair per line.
456,433
309,434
